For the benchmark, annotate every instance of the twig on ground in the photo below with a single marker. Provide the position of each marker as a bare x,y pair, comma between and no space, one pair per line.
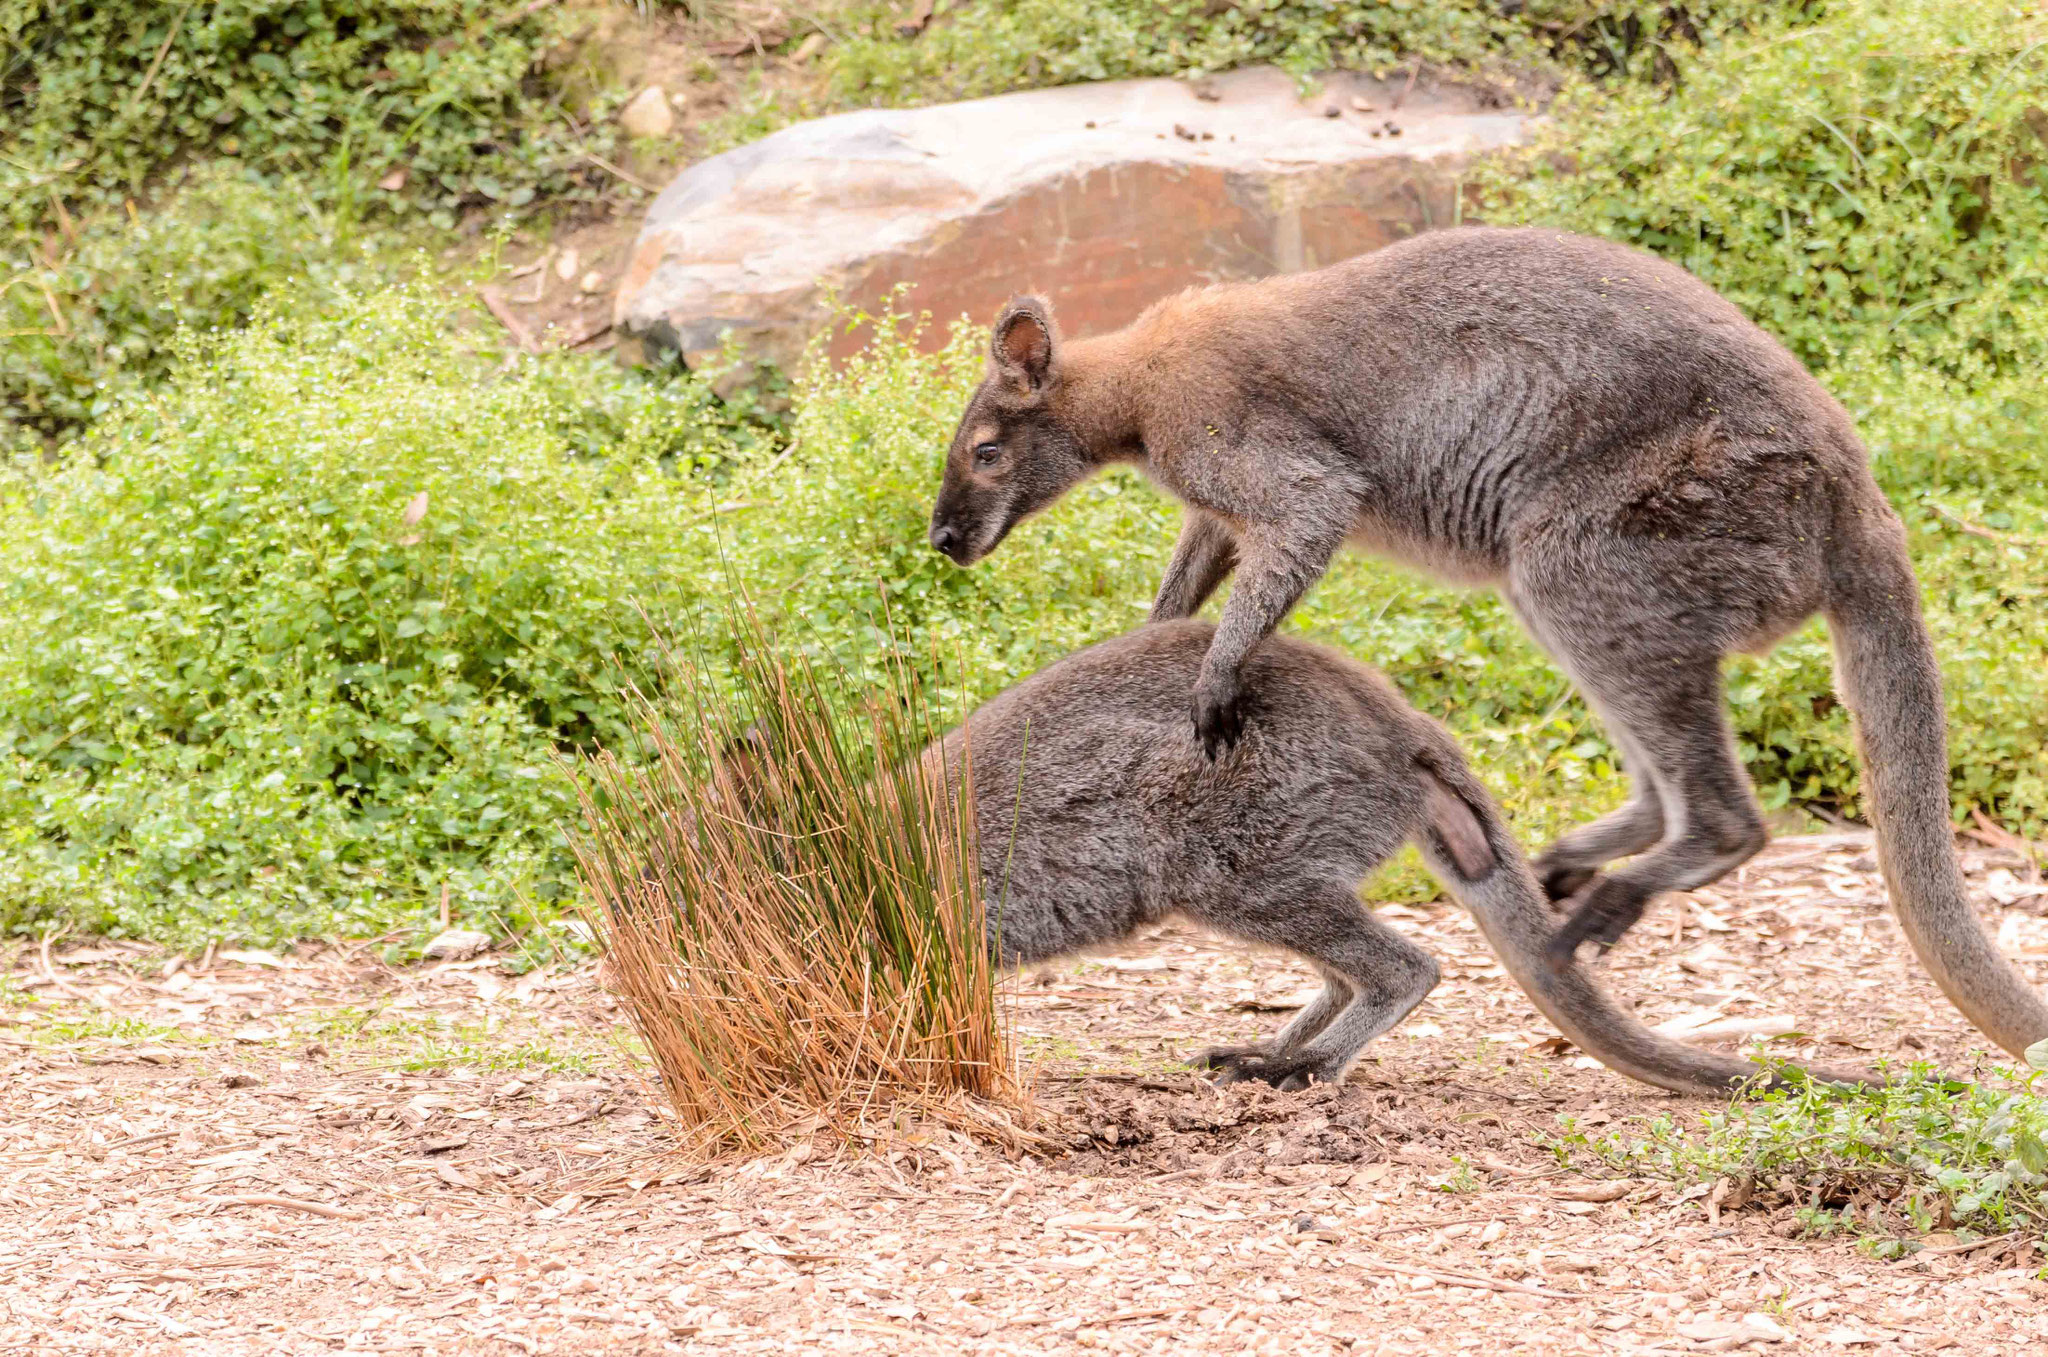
627,175
495,304
1989,831
132,1141
1969,1246
1462,1279
290,1204
1415,1226
1409,88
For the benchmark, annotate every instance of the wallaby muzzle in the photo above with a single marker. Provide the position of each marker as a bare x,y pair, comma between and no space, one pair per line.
965,533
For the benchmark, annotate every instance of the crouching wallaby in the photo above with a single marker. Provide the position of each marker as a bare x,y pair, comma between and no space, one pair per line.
1099,813
1651,480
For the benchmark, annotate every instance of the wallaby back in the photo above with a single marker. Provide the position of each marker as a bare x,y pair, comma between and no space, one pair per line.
1099,813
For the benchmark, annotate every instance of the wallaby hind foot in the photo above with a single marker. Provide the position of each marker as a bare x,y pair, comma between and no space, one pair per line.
1372,978
1240,1064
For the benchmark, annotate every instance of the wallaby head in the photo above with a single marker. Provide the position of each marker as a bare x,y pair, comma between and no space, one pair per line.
1013,453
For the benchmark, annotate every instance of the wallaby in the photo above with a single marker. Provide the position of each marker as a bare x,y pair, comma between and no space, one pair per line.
1651,480
1098,813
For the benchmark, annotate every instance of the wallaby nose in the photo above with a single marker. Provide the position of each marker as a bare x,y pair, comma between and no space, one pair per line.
944,539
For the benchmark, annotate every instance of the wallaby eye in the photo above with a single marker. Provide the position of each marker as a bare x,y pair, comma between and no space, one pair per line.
987,453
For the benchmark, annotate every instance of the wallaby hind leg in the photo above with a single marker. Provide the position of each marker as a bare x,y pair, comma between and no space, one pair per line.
1333,998
1325,922
1674,713
1577,856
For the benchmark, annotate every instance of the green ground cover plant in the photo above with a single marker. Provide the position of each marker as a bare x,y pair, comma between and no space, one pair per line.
971,50
289,645
1921,1153
1867,185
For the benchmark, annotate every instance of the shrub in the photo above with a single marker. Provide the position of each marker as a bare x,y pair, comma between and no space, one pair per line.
79,329
799,935
288,646
974,50
243,693
1872,181
163,164
101,99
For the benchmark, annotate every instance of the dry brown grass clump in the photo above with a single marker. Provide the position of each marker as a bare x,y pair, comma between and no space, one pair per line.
791,910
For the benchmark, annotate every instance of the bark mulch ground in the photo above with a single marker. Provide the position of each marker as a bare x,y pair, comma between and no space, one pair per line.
314,1153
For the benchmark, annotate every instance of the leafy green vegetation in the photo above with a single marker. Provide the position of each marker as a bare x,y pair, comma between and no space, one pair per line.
102,100
290,644
971,50
246,690
296,634
1867,186
164,164
1920,1153
98,320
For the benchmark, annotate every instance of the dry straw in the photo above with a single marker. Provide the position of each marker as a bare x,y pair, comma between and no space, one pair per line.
791,908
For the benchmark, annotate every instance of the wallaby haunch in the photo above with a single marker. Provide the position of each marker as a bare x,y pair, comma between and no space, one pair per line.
1119,819
1651,480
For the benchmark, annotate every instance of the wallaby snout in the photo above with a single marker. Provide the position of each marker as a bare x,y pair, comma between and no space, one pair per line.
968,521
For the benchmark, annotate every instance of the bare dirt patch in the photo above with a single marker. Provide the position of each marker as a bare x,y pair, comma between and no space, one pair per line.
315,1154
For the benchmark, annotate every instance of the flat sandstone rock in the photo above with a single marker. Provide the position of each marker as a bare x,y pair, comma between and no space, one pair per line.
1106,196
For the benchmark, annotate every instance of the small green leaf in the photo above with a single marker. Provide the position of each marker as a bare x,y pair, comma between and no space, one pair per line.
2037,1055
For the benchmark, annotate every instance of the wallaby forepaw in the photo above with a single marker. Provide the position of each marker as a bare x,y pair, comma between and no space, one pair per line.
1219,721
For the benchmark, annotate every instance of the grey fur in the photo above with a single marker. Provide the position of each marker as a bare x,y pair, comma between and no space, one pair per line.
1651,480
1119,819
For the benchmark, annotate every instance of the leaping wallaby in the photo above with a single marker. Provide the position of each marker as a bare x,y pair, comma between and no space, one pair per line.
1651,480
1119,819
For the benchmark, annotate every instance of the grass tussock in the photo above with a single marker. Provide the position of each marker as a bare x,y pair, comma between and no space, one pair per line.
791,909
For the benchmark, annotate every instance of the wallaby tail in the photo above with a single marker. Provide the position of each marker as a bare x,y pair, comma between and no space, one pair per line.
1499,889
1885,667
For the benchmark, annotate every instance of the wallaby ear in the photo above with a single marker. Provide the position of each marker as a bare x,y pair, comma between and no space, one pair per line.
1026,343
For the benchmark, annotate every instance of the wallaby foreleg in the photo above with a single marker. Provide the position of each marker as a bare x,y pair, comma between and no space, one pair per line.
1326,923
1202,559
1276,566
1675,715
